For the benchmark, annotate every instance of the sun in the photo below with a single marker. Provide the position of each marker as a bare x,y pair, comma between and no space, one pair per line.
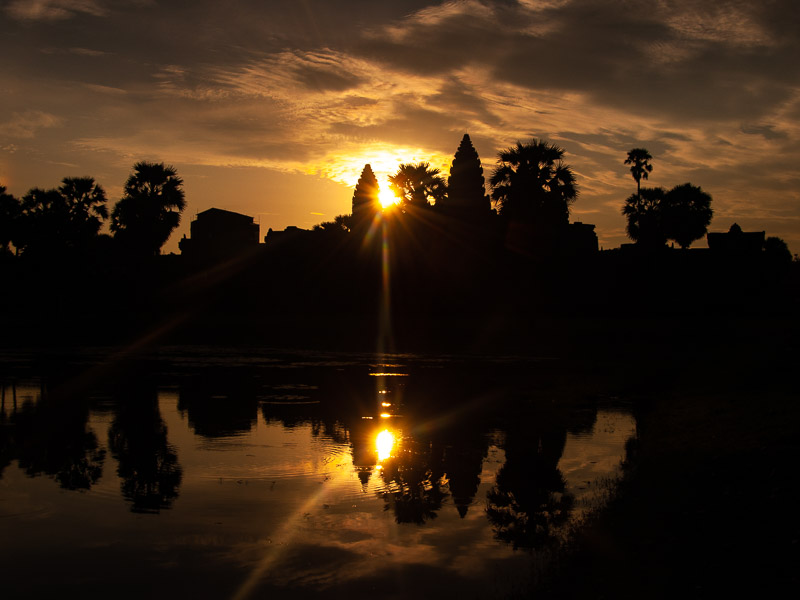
387,198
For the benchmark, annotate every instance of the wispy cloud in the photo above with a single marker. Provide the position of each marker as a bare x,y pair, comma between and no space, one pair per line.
54,10
25,125
323,87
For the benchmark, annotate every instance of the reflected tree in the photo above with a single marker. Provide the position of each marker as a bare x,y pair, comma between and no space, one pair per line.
51,437
148,464
529,501
415,482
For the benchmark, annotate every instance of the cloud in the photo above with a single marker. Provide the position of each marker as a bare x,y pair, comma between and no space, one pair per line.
323,87
768,131
726,61
54,10
25,125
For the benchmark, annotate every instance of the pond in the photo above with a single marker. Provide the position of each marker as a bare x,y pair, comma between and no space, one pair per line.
249,474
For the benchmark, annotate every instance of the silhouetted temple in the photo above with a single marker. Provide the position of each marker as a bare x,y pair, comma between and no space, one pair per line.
737,242
217,233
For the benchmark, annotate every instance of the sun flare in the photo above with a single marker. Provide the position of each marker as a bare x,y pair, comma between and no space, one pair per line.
387,198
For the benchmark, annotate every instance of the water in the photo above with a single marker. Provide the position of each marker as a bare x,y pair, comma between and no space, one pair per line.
229,475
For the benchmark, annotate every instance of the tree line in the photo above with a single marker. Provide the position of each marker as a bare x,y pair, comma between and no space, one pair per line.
532,190
68,219
681,214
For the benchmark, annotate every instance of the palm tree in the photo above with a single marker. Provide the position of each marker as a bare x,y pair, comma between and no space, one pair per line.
44,226
150,208
418,185
639,160
86,201
644,212
532,183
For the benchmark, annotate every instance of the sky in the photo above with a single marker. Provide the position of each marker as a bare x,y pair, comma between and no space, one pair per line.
273,107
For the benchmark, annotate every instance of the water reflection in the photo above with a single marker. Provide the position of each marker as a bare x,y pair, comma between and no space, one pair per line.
384,444
147,463
48,434
529,501
220,403
283,465
414,483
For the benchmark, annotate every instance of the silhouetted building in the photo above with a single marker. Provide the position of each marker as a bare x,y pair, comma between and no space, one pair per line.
217,233
290,233
365,199
737,242
580,239
466,190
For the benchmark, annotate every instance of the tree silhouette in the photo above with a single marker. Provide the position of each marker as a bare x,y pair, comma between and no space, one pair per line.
9,213
418,185
686,213
466,192
341,224
86,201
639,160
645,217
533,189
149,209
777,250
44,222
532,183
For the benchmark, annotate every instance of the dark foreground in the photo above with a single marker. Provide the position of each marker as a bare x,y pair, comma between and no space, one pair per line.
709,496
709,501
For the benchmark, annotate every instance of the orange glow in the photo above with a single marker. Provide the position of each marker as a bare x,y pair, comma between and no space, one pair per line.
384,443
386,403
385,415
387,198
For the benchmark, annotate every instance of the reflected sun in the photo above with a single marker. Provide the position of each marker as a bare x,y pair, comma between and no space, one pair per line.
384,443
